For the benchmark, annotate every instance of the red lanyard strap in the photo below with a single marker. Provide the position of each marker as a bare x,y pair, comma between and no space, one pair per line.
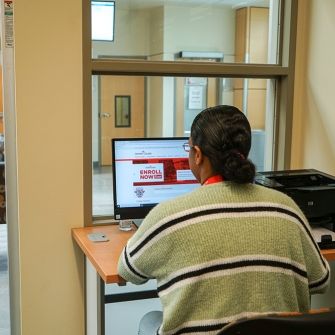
213,180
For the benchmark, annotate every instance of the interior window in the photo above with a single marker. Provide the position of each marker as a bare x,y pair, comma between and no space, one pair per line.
169,60
228,31
166,107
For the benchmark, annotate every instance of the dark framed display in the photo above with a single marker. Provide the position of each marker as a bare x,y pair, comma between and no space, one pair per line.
103,18
122,111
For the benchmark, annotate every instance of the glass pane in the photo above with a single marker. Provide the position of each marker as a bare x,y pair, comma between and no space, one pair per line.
166,107
122,110
223,31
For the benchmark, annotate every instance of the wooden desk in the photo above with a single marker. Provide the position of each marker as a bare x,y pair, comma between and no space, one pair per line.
104,258
101,268
328,254
104,255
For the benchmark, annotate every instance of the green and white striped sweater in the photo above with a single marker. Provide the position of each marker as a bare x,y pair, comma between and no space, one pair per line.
224,252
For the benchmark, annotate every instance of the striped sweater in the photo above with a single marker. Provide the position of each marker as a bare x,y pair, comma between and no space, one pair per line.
224,252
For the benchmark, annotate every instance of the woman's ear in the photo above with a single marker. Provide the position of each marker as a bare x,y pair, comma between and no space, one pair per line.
198,155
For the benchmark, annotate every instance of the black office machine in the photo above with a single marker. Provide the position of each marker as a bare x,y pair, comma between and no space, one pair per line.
314,193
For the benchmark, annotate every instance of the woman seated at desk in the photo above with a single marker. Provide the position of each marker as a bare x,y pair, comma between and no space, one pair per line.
229,249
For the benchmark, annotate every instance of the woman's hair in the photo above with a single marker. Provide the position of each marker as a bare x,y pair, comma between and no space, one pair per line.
223,134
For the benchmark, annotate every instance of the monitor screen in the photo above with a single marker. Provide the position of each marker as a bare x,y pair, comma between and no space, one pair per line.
103,13
147,171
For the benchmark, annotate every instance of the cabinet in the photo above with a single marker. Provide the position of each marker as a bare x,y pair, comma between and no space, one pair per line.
251,46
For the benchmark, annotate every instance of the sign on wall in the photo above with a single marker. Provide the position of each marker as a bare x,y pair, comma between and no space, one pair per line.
8,23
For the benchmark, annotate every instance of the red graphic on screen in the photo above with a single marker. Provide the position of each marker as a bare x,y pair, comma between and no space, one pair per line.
170,166
151,174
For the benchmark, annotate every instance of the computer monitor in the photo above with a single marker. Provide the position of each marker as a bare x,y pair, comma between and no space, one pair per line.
103,18
147,171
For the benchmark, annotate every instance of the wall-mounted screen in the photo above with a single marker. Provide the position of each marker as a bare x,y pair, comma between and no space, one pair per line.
103,15
147,171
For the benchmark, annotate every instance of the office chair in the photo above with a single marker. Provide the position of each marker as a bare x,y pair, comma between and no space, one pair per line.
313,323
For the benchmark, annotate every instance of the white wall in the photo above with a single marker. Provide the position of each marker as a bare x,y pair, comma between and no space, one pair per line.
170,29
49,149
131,35
156,34
155,105
199,28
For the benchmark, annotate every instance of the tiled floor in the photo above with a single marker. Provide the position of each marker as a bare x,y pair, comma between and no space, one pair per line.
4,291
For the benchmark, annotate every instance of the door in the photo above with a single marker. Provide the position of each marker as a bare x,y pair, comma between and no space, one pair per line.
121,111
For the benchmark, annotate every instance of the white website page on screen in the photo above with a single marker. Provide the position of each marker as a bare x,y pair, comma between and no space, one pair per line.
150,171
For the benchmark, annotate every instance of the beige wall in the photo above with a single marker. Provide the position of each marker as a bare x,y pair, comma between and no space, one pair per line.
313,135
48,76
314,104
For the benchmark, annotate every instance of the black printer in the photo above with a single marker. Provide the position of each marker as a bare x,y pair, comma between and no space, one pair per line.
312,190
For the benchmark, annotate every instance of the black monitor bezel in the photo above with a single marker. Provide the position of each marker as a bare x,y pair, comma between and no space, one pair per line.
133,212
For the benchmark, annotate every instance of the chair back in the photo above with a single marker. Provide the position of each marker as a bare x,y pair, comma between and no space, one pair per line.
313,323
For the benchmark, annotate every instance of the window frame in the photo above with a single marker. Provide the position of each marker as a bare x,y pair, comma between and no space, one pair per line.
283,73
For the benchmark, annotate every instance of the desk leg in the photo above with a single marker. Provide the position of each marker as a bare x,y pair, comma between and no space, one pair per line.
95,301
101,305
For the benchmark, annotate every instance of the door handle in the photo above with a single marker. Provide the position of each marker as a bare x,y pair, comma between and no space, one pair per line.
105,115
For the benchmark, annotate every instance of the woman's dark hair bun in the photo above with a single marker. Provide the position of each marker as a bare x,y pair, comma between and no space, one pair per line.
238,169
223,134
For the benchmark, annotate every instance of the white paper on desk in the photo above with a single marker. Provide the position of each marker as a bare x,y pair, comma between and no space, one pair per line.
318,232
